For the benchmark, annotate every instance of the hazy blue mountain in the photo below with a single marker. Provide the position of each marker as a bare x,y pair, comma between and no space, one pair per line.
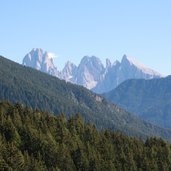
39,90
91,73
149,99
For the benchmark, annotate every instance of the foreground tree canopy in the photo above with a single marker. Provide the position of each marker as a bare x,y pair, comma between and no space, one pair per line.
34,140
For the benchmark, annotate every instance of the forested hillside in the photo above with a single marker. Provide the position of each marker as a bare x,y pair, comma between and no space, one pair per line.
39,90
149,99
34,140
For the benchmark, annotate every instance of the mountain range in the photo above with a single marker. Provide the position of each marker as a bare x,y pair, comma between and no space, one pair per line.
91,73
44,92
148,99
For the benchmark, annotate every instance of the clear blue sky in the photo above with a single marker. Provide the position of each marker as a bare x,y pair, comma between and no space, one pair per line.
74,28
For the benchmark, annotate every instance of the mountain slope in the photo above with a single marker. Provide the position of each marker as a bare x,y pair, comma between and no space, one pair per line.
149,99
91,73
39,90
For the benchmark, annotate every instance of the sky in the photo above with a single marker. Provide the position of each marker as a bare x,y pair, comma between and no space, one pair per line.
103,28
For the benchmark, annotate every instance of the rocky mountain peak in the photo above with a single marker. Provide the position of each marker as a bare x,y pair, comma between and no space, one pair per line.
91,61
69,71
108,63
40,60
132,63
91,73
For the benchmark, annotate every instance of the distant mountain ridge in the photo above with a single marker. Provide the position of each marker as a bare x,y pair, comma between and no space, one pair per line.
148,99
91,73
128,68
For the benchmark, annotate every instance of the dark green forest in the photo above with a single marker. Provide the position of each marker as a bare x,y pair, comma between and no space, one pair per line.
35,140
44,92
